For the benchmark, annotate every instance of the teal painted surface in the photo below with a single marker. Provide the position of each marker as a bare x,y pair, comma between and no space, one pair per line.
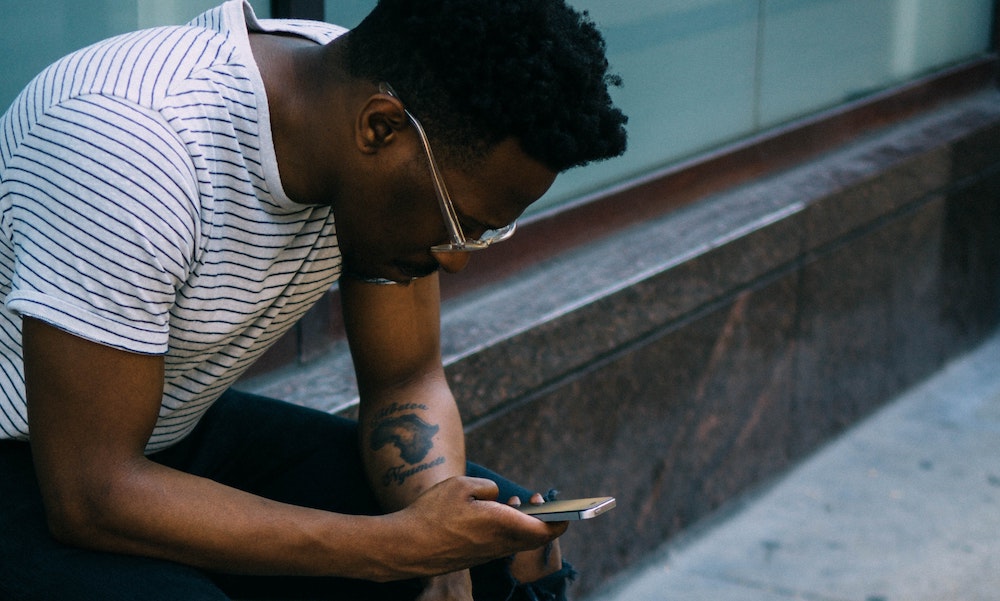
36,33
698,73
702,73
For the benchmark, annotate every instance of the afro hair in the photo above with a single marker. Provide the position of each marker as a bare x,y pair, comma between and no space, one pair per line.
478,71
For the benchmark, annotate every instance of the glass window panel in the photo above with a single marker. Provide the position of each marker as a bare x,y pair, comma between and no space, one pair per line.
346,13
152,13
698,73
928,34
821,52
809,55
39,32
688,70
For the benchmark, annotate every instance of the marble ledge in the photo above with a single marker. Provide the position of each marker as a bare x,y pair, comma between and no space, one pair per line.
527,332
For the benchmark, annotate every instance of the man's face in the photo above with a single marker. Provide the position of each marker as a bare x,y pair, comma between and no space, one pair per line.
403,219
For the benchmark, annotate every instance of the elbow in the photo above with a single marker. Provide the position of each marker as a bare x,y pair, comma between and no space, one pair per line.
80,516
72,522
66,532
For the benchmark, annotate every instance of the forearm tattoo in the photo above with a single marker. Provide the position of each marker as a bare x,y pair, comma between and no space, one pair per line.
412,436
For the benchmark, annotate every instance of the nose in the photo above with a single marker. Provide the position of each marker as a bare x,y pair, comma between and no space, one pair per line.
452,262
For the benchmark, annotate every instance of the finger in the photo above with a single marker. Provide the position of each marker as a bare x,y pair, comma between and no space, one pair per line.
552,530
530,531
558,528
536,499
481,489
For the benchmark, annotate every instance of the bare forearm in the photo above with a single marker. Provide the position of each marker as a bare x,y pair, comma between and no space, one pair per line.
153,511
171,515
411,439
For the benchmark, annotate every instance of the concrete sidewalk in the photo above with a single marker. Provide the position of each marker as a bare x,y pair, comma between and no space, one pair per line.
903,507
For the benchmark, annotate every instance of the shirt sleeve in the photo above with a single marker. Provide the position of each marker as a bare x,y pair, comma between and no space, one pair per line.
101,206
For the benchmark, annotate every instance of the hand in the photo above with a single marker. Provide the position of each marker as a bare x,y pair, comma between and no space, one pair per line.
533,564
456,586
458,524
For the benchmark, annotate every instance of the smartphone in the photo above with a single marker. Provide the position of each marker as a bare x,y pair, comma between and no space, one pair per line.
570,509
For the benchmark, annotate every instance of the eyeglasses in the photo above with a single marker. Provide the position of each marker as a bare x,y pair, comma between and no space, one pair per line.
459,243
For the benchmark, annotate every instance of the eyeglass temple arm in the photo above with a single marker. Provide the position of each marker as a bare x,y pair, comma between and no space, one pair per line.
447,207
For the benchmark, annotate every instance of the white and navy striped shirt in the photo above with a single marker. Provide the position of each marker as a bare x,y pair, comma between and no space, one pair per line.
141,208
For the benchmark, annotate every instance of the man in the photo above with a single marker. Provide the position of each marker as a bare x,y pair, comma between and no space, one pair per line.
173,200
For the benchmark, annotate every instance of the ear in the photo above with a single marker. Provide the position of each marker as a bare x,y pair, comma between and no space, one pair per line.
378,123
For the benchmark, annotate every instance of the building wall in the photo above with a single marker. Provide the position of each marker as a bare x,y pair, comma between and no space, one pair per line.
864,273
691,359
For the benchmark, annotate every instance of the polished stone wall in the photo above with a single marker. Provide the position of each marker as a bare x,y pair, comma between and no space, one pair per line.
684,362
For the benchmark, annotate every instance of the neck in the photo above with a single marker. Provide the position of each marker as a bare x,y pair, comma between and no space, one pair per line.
305,91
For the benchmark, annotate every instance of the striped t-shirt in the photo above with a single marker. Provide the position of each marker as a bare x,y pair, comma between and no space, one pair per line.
141,208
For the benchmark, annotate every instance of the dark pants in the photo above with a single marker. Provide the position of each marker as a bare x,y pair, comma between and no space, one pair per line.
270,448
